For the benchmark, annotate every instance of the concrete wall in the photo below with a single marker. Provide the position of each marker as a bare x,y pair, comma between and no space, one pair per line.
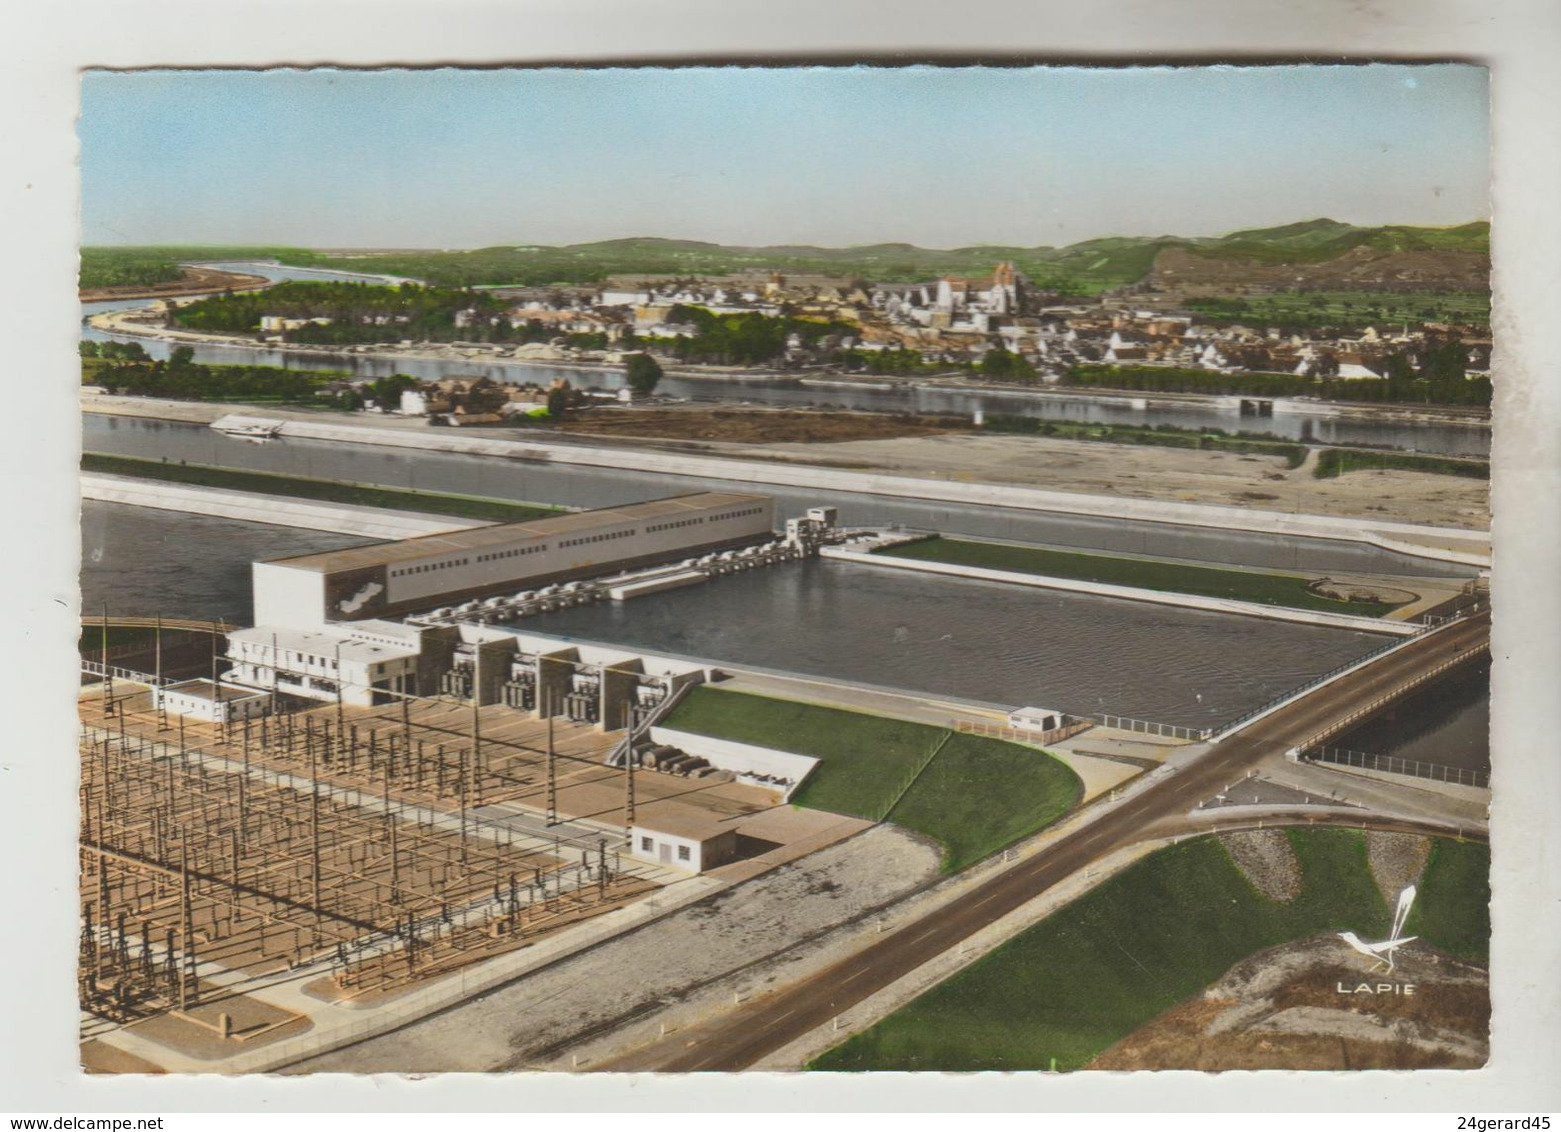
279,511
740,758
436,656
554,668
1131,593
525,560
618,684
493,665
289,599
997,495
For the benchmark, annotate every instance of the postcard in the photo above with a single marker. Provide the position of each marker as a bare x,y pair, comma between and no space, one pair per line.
802,569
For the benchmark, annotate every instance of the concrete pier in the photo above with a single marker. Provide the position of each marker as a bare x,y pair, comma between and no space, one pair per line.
250,507
1129,593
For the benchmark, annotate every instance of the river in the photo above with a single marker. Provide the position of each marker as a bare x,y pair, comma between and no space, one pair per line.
588,487
1441,439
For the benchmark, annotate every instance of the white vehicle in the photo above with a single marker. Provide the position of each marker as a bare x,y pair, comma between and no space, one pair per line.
248,428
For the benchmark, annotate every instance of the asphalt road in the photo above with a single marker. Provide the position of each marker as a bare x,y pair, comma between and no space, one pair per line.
743,1035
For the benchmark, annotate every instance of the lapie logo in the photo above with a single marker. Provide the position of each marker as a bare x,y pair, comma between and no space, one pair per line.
1382,954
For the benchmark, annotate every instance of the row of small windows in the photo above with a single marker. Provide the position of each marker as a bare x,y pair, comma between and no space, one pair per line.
430,567
514,553
736,514
673,526
604,537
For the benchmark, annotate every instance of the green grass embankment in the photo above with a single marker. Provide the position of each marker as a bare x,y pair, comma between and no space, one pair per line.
1106,964
1333,462
1158,436
1452,910
975,795
1165,577
979,795
327,491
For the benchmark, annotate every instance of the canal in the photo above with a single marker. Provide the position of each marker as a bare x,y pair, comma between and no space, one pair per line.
943,636
586,487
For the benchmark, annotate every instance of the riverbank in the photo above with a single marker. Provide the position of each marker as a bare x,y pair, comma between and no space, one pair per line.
1366,624
194,281
1296,591
356,495
816,470
955,380
276,511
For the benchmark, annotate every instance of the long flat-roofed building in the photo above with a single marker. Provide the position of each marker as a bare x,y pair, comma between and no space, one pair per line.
390,578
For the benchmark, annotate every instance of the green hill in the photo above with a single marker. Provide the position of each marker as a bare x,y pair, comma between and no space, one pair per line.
1085,268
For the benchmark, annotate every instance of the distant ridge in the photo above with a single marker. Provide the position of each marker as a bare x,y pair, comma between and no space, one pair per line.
1448,258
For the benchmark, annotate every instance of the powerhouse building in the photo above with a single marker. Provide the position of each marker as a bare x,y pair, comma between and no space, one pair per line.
392,578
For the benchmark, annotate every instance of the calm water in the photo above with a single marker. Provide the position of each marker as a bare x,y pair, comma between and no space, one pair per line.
149,563
978,640
1447,721
986,641
574,486
1444,439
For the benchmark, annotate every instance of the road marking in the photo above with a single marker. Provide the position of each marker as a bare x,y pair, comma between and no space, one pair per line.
854,974
782,1018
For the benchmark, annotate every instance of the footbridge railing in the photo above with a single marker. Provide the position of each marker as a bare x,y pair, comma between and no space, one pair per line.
1016,735
112,672
1358,662
1146,727
113,621
1392,764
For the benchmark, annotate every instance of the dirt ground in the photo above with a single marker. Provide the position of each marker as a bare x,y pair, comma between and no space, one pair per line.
1282,1009
1136,472
751,426
194,281
1051,463
693,960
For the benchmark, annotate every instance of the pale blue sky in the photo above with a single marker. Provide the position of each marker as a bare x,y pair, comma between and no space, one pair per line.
936,157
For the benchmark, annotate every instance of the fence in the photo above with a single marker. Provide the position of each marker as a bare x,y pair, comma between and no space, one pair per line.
1015,735
1344,724
94,668
1457,607
1359,662
1392,764
1145,727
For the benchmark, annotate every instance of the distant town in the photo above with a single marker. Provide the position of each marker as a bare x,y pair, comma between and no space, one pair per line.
994,329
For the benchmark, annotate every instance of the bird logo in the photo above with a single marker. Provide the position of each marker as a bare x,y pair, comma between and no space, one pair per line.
1382,953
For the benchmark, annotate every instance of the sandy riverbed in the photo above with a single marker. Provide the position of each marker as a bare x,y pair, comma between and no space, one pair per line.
1137,472
1060,465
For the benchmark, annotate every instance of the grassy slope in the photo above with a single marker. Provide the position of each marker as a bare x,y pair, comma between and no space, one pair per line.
1333,462
980,794
866,758
1103,966
121,266
1165,577
331,491
976,796
1452,910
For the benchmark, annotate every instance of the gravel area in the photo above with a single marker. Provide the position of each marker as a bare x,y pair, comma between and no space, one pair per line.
1282,1009
1396,861
1267,859
658,966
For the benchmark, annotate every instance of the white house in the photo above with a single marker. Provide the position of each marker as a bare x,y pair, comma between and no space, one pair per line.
683,839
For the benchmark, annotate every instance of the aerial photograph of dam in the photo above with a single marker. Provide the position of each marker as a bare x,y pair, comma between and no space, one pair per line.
943,598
